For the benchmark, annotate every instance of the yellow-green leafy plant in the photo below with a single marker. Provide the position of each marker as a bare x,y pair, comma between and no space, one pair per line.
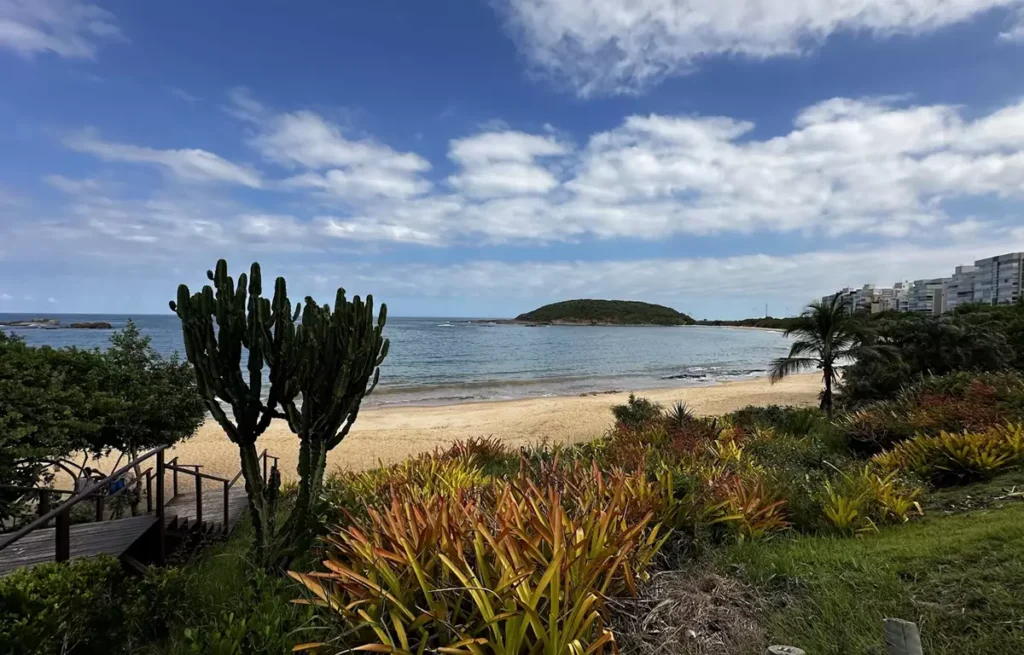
524,571
954,458
847,513
757,511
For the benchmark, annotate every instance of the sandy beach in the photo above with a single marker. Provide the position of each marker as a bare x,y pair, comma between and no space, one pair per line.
393,434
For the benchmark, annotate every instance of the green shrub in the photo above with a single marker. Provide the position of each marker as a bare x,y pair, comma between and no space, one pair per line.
637,413
954,403
85,606
956,458
797,421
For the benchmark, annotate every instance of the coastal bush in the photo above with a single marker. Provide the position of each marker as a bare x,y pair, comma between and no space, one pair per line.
528,571
860,500
86,606
637,413
951,458
973,338
953,403
796,421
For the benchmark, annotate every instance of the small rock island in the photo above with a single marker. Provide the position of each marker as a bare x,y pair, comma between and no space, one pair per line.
54,324
604,312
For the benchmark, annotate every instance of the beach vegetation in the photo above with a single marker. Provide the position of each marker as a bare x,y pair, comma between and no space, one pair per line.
637,413
827,335
951,458
953,403
321,360
973,339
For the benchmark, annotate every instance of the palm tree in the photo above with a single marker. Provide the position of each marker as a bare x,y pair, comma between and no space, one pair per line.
826,333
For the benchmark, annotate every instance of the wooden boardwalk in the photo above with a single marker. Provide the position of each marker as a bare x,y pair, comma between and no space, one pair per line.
183,506
87,539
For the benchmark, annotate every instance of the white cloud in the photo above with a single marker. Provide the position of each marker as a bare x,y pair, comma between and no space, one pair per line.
187,164
504,163
69,28
624,46
51,300
71,186
6,296
680,282
337,165
870,169
182,94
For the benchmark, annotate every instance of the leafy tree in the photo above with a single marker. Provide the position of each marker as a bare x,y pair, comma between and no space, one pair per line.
826,335
58,402
320,368
974,337
155,401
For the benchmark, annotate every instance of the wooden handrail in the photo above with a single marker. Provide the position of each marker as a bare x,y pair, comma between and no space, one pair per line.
181,469
62,511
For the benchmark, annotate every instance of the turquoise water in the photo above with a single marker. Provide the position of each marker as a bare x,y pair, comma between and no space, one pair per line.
438,360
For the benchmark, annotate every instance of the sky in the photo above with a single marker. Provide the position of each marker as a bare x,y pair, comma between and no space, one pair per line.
463,158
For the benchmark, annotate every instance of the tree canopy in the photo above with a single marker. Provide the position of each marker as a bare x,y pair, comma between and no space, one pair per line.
55,402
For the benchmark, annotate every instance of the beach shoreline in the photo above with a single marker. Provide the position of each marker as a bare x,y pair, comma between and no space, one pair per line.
386,435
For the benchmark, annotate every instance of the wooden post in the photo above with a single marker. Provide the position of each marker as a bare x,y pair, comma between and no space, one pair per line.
44,503
174,476
149,492
99,506
160,523
62,548
265,458
227,490
199,502
902,637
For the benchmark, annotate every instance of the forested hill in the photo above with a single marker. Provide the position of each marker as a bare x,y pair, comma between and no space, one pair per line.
605,312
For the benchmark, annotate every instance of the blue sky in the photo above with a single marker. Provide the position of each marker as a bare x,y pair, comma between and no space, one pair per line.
481,158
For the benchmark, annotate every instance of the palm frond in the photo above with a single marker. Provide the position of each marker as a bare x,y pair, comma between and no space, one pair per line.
785,366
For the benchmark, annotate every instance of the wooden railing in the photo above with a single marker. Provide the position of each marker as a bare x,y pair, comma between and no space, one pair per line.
61,514
193,470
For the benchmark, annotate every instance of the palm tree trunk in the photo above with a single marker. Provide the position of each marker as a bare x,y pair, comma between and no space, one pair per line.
826,396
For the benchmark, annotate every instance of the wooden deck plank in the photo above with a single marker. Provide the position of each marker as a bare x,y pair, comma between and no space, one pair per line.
87,539
184,506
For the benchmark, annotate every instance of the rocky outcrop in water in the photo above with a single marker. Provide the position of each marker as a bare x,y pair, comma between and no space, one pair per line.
95,325
38,323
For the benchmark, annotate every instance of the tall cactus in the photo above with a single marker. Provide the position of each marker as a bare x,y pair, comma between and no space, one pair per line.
320,369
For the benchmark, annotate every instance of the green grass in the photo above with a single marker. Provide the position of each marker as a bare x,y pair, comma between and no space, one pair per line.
959,577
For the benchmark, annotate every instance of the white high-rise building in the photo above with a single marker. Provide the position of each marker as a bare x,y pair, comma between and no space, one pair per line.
999,280
959,289
923,295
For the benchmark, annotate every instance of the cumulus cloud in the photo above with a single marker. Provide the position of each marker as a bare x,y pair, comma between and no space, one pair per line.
504,163
68,28
336,164
624,46
187,164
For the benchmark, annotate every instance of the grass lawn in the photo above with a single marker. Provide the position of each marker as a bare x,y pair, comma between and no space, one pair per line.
959,577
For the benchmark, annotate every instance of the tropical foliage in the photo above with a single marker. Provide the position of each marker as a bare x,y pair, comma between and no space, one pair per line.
973,338
826,336
949,458
56,402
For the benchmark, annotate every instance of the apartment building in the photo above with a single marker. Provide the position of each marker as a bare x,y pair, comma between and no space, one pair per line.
994,281
999,280
924,294
959,289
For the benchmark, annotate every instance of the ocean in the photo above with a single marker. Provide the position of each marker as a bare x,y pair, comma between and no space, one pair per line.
453,360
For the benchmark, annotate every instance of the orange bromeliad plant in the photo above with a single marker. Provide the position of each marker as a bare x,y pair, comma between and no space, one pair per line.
524,571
